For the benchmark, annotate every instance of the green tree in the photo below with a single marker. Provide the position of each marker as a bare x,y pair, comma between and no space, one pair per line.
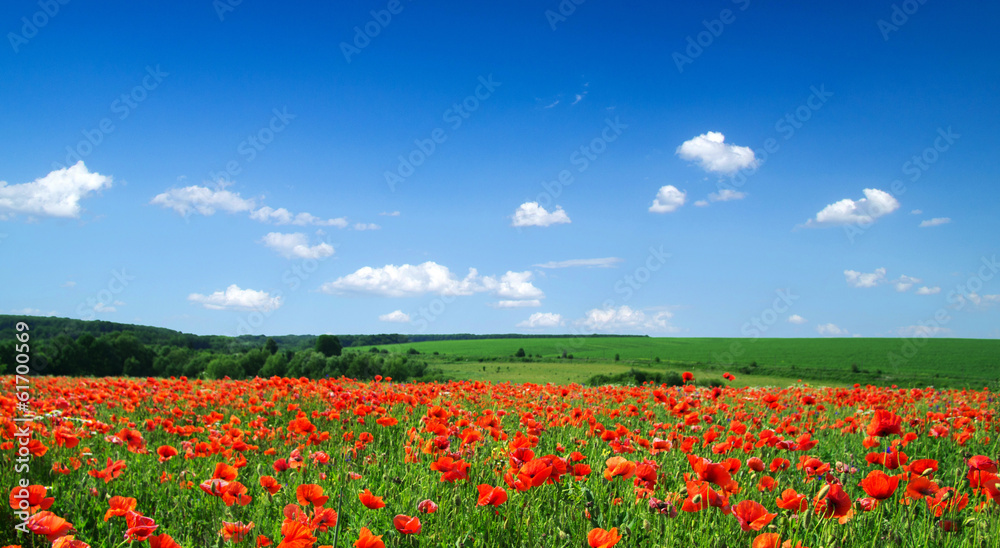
224,366
271,346
520,353
275,366
328,345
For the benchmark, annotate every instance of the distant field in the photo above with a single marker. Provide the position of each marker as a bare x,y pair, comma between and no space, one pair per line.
907,362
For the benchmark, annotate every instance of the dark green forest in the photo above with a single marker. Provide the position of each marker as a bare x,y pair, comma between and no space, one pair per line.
62,346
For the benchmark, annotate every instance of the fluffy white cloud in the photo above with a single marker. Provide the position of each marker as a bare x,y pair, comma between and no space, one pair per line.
916,212
928,290
396,316
904,283
936,221
796,319
532,214
542,319
923,331
714,155
513,285
625,318
831,330
234,298
726,195
875,204
202,200
366,226
57,194
429,277
297,245
606,262
526,303
668,199
701,203
861,279
390,213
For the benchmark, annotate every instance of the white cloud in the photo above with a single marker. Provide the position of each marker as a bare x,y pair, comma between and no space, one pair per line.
625,318
701,203
726,195
714,155
366,226
916,212
525,303
532,214
875,204
296,244
70,283
928,290
206,201
57,194
234,298
429,277
542,319
796,319
861,279
936,221
668,199
390,214
606,262
913,331
829,329
396,316
514,285
904,283
282,216
202,200
980,301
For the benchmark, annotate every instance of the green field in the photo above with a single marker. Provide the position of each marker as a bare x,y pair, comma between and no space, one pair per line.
884,361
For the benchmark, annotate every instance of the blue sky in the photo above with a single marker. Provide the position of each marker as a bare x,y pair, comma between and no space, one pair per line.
728,168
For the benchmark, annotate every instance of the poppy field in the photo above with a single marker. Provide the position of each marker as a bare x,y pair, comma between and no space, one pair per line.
335,462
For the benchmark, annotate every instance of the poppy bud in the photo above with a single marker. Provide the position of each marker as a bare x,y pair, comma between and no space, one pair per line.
696,499
823,492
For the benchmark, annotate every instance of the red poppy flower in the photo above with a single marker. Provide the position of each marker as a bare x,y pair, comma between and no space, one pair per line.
752,515
367,540
879,485
31,498
599,538
371,501
406,525
491,496
427,506
235,531
310,493
884,423
270,484
139,527
791,500
119,506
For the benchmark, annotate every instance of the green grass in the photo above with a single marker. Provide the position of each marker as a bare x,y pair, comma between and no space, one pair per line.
907,362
